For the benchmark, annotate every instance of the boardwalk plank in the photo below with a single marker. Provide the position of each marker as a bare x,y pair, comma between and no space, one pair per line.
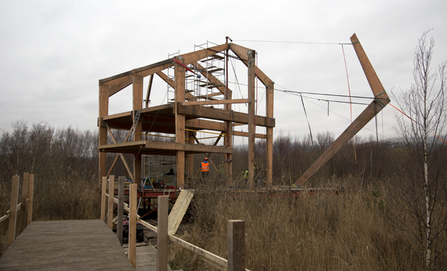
66,245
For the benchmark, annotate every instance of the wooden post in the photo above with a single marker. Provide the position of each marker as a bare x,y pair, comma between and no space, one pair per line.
162,233
13,209
269,143
137,94
25,187
179,76
189,160
251,117
110,204
103,112
132,236
236,245
103,198
29,216
119,222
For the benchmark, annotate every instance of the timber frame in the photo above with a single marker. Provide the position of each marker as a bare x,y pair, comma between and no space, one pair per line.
185,115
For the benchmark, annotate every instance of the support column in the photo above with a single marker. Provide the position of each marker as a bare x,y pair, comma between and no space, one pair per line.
137,94
251,116
229,130
190,160
103,112
269,143
179,74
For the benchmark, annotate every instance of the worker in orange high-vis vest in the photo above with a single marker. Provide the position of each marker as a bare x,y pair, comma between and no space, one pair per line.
205,165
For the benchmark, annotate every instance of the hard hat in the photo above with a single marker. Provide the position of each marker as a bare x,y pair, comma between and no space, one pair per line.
206,158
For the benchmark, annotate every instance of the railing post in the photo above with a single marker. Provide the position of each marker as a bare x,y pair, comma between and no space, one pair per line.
29,216
103,198
236,245
119,222
132,235
25,187
162,233
13,209
110,205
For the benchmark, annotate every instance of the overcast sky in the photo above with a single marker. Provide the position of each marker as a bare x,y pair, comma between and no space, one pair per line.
54,52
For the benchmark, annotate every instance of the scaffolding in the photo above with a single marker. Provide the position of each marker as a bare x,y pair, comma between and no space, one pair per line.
156,171
212,66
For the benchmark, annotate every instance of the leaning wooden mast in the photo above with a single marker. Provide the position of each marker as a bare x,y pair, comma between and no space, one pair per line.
381,99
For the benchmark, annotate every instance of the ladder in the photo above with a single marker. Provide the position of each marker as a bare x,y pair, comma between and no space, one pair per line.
134,125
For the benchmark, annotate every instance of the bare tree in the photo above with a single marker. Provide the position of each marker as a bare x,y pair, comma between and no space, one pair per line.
421,190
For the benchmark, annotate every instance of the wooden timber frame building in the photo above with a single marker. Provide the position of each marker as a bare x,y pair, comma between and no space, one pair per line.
186,114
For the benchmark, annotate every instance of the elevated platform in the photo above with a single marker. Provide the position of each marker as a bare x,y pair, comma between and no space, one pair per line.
66,245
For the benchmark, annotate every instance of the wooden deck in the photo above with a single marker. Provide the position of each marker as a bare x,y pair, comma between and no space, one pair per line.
66,245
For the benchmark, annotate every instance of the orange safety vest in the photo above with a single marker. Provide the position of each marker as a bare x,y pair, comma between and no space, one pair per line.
205,166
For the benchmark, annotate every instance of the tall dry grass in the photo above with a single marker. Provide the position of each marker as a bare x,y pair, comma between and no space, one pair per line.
321,232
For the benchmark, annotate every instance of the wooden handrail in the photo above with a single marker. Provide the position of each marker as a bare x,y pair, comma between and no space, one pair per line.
15,207
3,218
213,259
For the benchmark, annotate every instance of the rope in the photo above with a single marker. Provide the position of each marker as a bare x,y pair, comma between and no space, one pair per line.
307,119
416,122
350,99
297,42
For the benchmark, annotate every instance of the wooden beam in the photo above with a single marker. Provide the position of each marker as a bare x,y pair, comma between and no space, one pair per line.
179,76
13,210
381,100
235,101
144,71
349,133
119,156
137,91
171,82
373,80
221,114
149,88
242,53
102,133
165,78
179,210
245,134
228,140
251,117
143,146
120,86
220,86
162,233
201,54
199,124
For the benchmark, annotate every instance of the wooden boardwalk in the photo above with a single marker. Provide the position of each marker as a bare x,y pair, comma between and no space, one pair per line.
66,245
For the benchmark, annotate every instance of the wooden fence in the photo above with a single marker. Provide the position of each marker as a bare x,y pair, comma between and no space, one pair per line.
22,209
235,236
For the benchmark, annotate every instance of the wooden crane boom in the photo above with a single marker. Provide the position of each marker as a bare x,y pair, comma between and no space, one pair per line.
381,99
